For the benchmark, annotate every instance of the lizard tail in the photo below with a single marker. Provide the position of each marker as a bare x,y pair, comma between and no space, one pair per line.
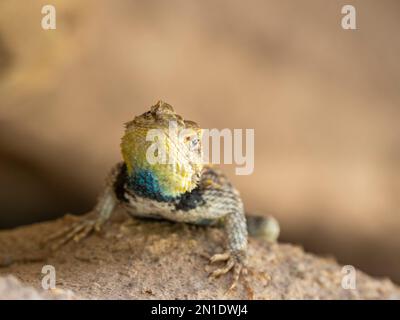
263,227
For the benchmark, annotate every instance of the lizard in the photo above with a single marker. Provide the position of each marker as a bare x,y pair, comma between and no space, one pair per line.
182,189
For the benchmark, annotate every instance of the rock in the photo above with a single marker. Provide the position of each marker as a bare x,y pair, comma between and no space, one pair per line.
12,289
142,259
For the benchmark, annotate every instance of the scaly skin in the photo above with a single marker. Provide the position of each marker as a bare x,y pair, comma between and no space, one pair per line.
207,198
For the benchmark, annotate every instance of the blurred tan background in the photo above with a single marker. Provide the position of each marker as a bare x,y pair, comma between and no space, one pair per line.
324,103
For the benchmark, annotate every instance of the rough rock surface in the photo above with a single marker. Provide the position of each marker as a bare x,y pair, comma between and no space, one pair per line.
12,289
141,259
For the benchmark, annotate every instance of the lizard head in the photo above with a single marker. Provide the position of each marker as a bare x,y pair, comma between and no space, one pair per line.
163,152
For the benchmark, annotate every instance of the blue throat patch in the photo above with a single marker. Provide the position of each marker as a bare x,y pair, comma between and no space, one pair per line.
146,184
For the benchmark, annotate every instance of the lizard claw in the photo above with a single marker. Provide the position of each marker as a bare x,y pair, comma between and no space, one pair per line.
76,232
220,257
234,263
230,263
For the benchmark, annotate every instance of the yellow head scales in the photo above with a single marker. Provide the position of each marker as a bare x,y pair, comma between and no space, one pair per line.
181,170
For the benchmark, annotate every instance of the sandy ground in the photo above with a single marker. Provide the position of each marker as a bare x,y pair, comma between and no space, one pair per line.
137,259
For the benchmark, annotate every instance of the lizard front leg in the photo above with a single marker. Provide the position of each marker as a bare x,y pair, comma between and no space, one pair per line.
89,223
235,257
220,203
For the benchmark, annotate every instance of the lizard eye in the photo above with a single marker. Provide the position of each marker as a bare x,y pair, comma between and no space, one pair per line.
194,143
